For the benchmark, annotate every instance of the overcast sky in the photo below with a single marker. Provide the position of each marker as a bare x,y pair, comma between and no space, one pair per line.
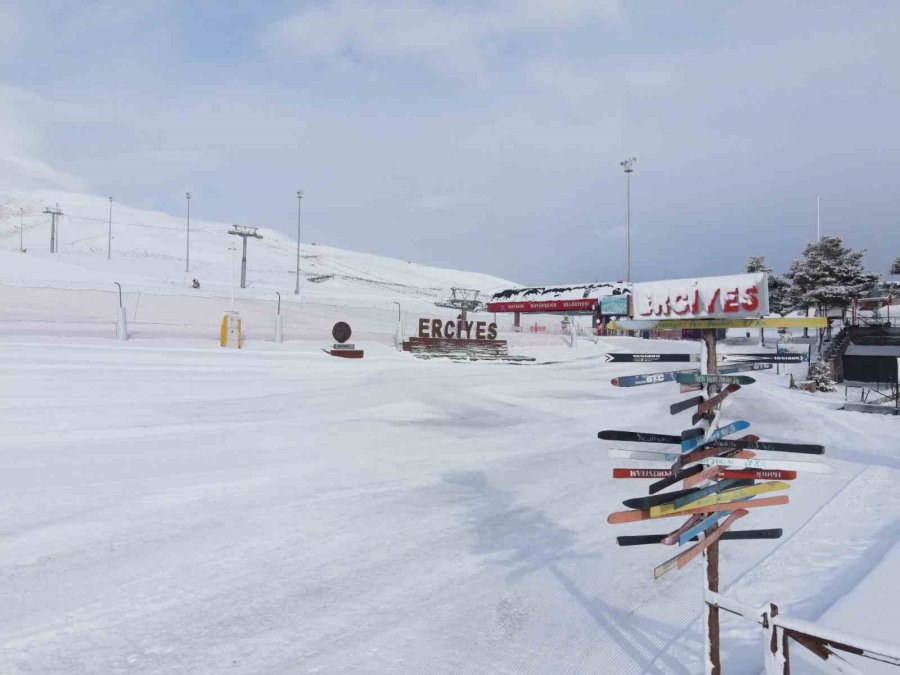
475,135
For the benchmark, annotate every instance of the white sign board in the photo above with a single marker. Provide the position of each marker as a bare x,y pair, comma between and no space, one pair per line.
735,296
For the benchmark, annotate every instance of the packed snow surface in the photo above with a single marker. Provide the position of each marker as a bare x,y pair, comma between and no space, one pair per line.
172,506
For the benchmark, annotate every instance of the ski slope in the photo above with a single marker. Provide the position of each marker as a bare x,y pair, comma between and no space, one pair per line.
171,506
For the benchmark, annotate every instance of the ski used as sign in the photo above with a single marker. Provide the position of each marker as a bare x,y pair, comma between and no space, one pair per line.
698,378
621,357
644,473
655,500
672,537
689,444
771,358
644,455
638,437
682,559
649,378
686,404
744,367
713,401
674,477
700,493
782,464
707,451
771,446
759,474
644,539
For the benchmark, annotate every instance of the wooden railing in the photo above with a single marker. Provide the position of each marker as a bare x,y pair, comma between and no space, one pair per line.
822,641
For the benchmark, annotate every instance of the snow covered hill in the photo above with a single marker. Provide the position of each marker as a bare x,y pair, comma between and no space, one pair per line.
76,285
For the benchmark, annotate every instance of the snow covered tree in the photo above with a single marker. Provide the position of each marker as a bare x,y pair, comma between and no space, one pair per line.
820,376
829,275
895,268
778,285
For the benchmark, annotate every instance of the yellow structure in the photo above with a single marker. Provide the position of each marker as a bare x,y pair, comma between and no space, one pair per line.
230,331
773,322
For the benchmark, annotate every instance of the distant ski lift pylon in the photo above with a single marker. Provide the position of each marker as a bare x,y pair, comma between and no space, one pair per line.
463,299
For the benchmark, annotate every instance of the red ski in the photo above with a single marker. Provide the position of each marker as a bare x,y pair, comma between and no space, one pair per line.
685,557
760,474
641,473
675,535
713,401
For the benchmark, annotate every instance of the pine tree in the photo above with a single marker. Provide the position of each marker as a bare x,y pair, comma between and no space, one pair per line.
829,275
778,285
820,376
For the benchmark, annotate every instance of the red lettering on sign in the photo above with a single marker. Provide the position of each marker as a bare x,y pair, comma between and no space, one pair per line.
732,303
751,299
711,305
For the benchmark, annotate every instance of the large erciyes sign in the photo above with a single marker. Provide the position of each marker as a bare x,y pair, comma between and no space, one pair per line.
735,296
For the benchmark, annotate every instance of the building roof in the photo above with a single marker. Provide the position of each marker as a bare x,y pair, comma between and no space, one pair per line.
562,292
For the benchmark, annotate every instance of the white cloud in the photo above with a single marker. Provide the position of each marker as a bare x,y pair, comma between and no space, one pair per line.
20,165
455,38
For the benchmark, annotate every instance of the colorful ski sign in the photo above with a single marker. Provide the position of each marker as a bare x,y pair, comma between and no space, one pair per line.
649,378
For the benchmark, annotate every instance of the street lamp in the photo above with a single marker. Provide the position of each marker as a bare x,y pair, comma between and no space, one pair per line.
109,237
187,254
297,279
398,310
628,165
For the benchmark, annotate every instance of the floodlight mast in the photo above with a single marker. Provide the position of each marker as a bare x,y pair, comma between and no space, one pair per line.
109,236
297,281
187,239
244,232
628,165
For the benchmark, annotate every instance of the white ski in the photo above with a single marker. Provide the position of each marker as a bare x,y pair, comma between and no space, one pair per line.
646,455
790,465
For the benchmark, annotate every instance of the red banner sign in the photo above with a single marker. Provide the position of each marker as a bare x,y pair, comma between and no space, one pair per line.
585,305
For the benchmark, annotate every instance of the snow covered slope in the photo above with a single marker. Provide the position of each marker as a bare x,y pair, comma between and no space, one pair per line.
148,259
176,507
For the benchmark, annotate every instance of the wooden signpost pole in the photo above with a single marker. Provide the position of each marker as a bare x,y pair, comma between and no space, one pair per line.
711,555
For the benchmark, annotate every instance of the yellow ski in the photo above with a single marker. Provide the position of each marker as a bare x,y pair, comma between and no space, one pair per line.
724,497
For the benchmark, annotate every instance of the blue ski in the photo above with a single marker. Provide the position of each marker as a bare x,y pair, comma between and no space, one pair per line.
689,444
650,378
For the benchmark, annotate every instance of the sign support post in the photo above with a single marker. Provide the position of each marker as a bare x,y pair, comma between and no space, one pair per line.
711,555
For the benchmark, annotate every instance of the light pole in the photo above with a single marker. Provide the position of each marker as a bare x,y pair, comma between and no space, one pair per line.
109,236
233,250
297,280
628,165
187,253
21,228
398,310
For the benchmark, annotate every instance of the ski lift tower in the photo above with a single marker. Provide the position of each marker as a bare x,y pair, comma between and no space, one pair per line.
463,299
244,232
